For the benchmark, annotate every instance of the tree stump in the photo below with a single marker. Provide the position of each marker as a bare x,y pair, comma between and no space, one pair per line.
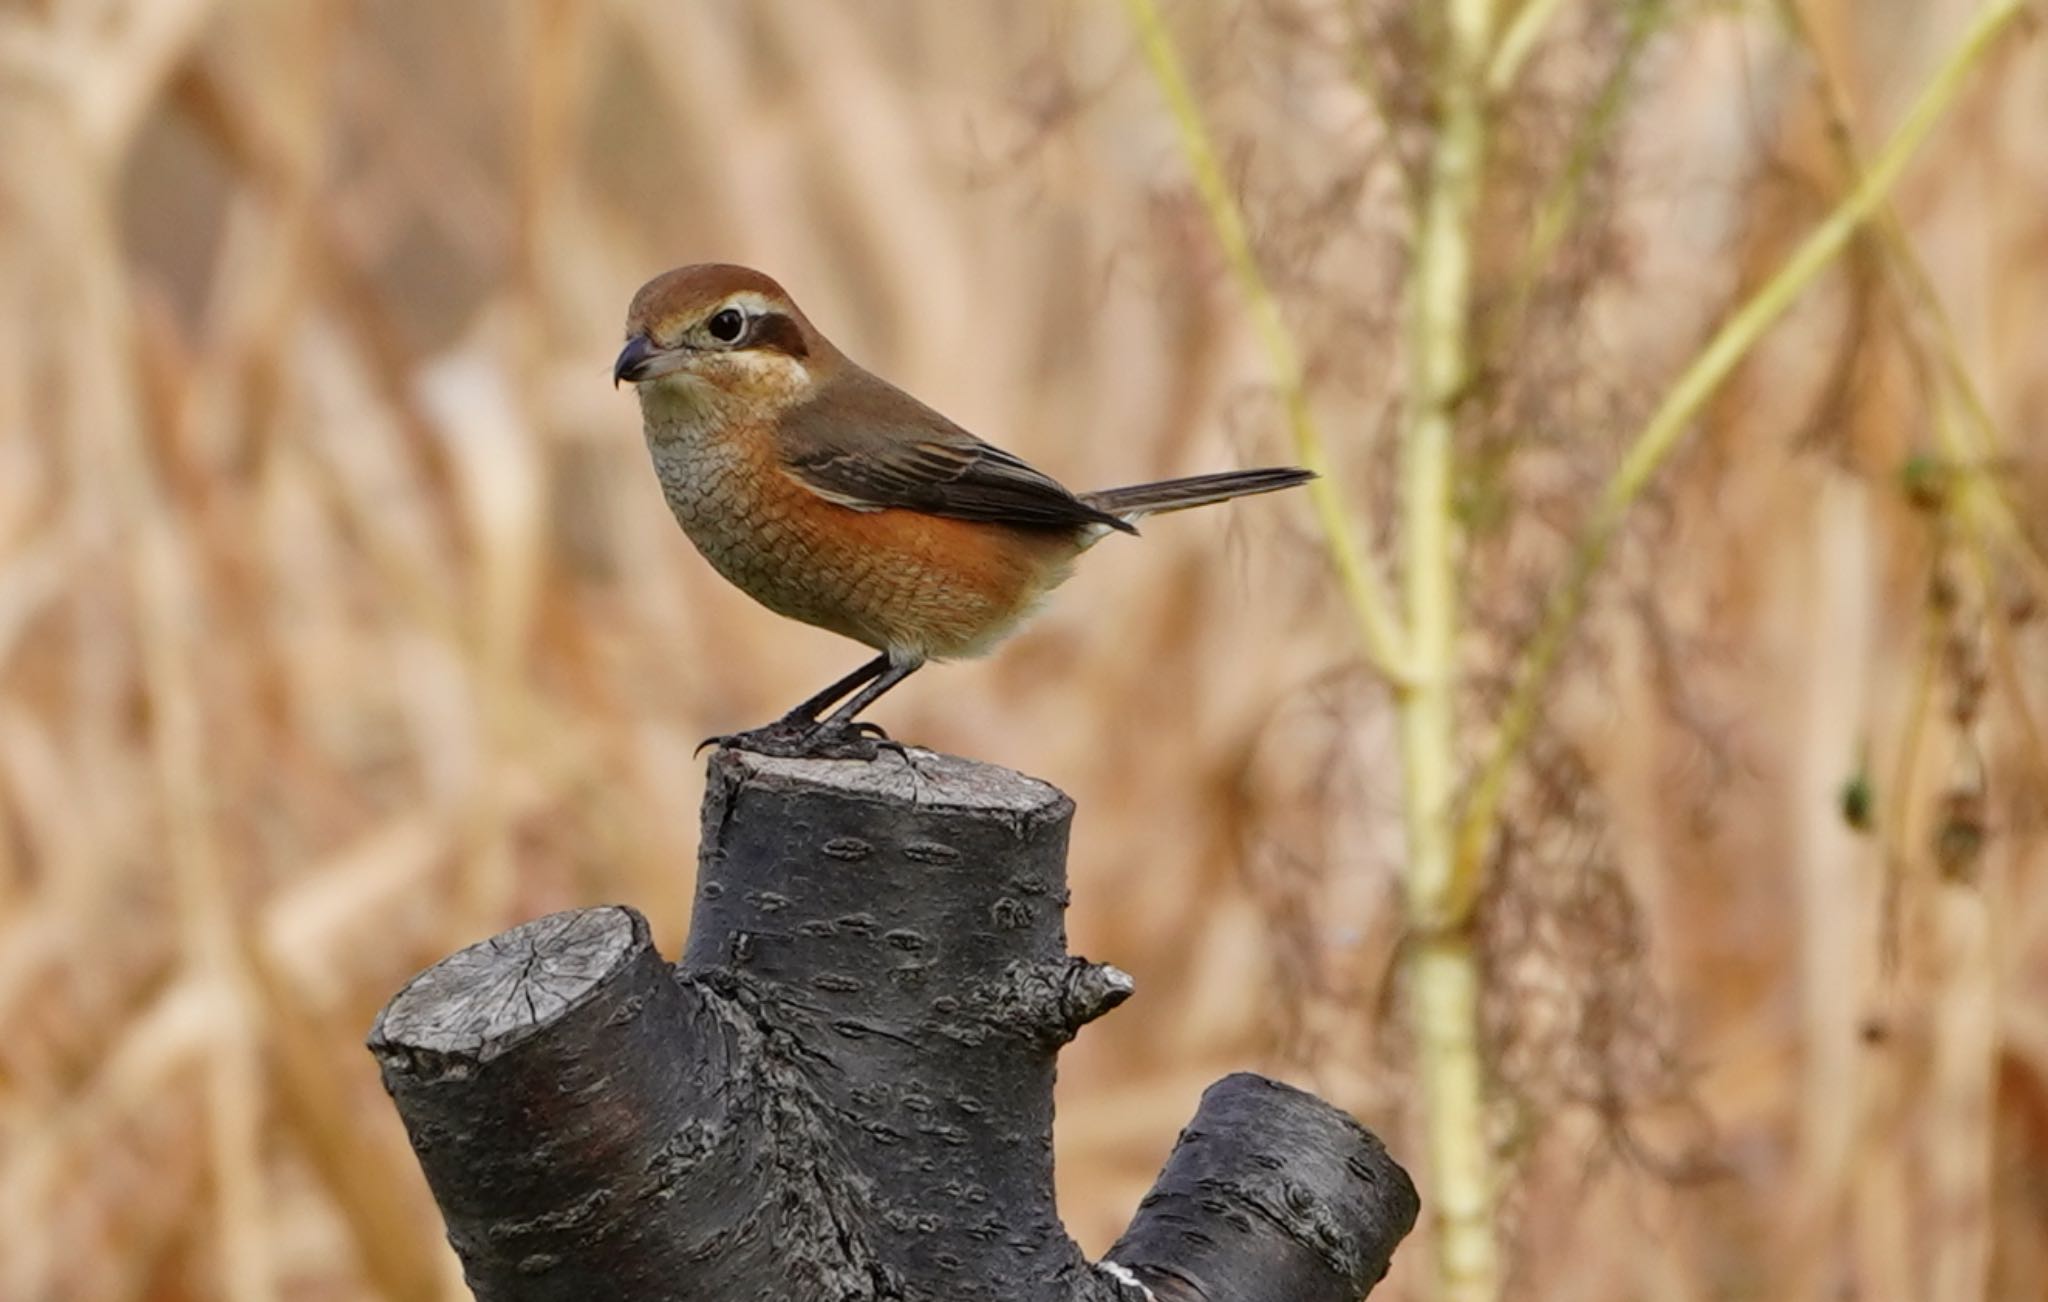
844,1091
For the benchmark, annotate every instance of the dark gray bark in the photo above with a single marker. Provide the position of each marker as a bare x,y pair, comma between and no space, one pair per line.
1269,1183
844,1091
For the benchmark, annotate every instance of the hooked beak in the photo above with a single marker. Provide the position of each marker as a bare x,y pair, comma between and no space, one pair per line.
635,361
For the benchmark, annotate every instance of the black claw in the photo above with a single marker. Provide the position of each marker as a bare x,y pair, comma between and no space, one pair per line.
785,736
798,738
904,753
898,749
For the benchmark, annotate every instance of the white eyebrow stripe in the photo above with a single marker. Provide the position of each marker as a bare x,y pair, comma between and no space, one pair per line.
752,303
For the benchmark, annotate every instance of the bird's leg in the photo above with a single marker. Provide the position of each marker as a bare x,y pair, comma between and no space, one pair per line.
840,735
807,713
893,672
801,733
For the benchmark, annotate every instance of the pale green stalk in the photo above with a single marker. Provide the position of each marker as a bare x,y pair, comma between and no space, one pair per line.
1673,417
1517,41
1443,971
1444,979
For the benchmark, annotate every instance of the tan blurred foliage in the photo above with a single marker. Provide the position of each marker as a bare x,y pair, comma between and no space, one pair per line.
341,622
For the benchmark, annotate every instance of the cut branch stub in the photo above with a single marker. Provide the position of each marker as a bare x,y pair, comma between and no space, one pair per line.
845,1092
591,1127
906,924
1269,1184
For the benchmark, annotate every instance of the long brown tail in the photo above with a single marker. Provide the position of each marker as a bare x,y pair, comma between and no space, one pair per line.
1196,490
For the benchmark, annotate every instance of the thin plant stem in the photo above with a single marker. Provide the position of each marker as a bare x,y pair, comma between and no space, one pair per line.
1969,452
1517,41
1896,824
1559,207
1366,591
1443,971
1445,978
1673,418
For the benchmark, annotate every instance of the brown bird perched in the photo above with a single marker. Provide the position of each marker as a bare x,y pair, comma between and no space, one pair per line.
833,497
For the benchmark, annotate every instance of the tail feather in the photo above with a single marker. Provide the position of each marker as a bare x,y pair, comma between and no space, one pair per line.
1196,490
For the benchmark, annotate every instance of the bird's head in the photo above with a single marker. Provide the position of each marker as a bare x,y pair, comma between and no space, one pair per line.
723,337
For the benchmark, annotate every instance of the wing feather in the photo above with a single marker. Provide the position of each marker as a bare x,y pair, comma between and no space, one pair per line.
870,446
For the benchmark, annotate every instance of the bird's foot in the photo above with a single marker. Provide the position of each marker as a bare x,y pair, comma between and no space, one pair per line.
800,738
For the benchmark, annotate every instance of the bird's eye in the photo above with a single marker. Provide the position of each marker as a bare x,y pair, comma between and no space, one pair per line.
727,324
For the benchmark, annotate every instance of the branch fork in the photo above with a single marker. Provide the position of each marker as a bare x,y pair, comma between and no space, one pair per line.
844,1091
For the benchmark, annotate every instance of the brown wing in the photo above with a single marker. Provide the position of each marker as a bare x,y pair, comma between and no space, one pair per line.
873,447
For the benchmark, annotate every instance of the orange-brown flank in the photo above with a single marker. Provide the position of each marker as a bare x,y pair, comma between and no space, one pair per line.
894,579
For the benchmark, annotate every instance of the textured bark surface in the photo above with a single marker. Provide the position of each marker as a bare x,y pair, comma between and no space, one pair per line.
593,1127
1269,1183
844,1091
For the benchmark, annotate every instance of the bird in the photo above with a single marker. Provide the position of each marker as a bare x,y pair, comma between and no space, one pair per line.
833,497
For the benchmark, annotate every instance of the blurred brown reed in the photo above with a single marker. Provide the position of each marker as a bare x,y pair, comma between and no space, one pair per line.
340,622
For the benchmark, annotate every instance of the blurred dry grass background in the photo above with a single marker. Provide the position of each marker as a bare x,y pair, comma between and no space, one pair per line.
341,622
